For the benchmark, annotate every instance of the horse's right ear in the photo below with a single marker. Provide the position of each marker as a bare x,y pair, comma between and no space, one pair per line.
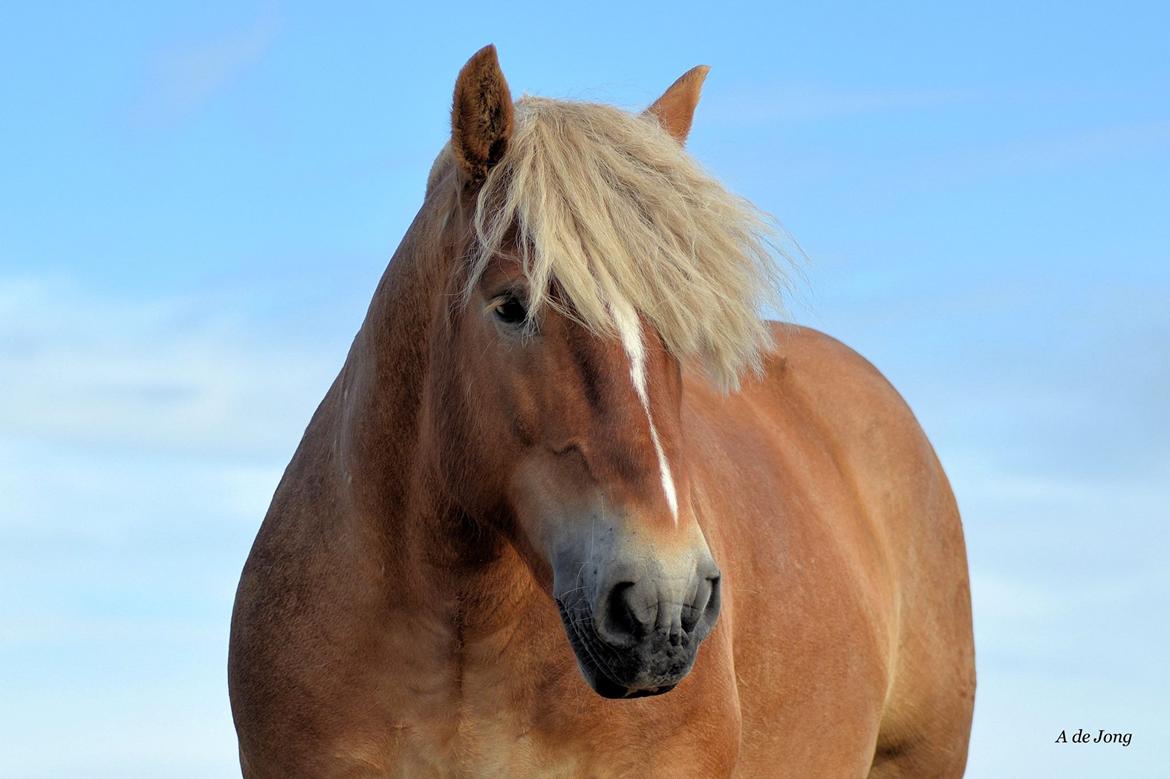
482,116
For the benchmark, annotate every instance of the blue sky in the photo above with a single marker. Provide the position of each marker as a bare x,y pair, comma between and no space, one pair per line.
196,202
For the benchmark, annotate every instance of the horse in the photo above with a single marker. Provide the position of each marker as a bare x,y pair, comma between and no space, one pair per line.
573,508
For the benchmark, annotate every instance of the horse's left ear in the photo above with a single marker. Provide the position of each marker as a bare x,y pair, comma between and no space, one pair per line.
676,108
481,116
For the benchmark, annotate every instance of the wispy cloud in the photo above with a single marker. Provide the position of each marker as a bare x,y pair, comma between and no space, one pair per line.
185,78
808,102
1043,152
167,376
140,442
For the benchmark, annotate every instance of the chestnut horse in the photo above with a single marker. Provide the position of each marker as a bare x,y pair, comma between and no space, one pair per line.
572,509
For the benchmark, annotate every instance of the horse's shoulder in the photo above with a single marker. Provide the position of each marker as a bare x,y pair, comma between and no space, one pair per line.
808,379
834,382
842,404
808,355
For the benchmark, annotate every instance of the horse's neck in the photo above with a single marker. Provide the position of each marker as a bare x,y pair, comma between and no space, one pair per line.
436,564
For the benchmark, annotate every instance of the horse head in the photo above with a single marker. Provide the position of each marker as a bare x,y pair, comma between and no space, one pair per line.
558,380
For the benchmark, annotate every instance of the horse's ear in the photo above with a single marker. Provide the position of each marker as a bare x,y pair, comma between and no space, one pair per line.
481,116
676,108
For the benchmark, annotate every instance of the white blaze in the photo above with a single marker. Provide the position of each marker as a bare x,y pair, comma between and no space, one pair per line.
630,329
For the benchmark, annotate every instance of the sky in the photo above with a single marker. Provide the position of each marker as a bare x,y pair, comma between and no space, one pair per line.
197,200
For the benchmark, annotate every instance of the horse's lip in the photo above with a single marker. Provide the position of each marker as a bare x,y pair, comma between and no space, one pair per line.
604,685
600,678
600,675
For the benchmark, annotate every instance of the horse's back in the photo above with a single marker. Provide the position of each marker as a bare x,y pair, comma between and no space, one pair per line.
845,563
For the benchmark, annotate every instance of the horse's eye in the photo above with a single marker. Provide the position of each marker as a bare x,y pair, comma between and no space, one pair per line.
511,311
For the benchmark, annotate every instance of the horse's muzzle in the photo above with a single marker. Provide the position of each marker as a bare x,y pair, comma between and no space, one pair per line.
640,633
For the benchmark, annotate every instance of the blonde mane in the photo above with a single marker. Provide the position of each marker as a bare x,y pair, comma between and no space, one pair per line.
611,208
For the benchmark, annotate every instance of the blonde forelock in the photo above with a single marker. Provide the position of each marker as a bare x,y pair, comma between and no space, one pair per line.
610,208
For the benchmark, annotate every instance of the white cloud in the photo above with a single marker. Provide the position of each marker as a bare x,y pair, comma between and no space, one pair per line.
187,77
174,376
140,442
804,102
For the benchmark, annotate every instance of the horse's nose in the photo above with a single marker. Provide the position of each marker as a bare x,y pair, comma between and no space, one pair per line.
631,609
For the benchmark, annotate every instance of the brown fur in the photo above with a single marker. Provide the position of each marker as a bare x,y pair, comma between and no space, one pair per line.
481,115
394,618
676,108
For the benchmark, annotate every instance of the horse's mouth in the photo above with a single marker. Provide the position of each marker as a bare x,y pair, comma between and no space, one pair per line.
607,689
620,674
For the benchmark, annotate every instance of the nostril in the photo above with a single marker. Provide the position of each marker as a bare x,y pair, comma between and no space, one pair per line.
623,621
705,605
711,612
693,611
